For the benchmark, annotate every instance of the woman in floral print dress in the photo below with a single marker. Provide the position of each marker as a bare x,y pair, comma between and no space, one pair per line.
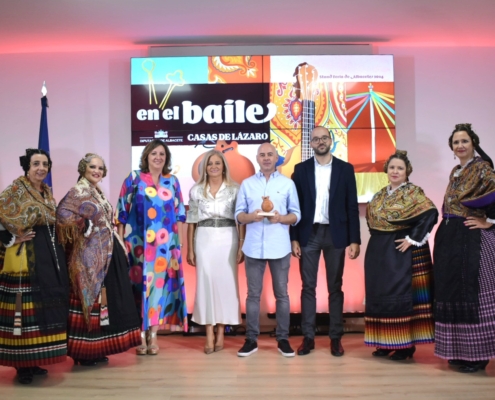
150,213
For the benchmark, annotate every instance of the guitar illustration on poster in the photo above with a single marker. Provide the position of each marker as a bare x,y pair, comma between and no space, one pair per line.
306,88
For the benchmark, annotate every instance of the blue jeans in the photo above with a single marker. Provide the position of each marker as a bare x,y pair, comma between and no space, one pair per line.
279,269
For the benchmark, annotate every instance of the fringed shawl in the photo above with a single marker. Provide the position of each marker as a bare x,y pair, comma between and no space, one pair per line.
88,257
392,212
471,191
22,207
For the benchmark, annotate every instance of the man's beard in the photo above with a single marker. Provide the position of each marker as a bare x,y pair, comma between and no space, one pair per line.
322,152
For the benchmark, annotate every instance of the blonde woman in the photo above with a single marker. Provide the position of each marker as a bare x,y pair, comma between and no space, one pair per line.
214,248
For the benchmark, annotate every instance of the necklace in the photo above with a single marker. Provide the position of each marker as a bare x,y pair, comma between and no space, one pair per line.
102,201
52,237
46,204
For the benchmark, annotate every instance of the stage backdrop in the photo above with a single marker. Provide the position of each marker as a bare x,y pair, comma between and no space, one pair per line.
235,103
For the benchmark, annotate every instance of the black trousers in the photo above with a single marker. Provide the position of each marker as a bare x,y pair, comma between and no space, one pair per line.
320,242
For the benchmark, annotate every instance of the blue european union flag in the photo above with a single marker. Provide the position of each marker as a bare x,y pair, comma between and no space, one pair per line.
43,141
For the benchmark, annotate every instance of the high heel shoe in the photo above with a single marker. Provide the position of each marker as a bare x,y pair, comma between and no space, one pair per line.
152,349
101,359
403,354
210,340
85,363
218,347
475,366
381,352
142,348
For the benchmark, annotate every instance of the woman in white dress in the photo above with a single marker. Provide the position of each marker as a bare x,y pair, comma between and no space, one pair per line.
214,247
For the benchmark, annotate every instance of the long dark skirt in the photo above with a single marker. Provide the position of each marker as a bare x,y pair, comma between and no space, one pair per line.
45,298
399,311
124,331
464,292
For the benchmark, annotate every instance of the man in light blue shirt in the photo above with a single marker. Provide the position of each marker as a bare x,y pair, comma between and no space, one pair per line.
267,240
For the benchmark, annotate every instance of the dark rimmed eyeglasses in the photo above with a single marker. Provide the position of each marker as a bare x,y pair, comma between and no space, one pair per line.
323,139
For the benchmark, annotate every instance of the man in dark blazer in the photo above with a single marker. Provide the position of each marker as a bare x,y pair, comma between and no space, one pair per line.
329,223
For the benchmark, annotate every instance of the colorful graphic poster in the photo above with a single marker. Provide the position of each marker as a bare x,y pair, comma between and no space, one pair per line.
235,103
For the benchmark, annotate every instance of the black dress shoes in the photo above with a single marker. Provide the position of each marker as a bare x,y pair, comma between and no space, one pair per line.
336,348
473,366
381,352
403,354
24,375
39,371
85,363
306,346
456,362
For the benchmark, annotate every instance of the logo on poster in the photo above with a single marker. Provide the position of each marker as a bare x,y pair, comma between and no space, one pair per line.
230,112
161,134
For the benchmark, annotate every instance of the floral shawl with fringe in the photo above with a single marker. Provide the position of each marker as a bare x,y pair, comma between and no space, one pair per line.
22,206
472,191
394,212
88,257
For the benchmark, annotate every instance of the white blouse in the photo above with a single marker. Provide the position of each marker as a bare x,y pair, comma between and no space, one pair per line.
209,207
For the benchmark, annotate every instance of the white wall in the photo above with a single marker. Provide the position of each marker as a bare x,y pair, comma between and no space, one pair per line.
89,98
437,88
89,103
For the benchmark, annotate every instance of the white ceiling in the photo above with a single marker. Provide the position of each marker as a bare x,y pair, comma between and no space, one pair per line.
78,25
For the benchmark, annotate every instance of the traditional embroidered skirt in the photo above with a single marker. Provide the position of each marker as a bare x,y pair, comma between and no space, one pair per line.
86,345
124,331
32,348
465,312
399,311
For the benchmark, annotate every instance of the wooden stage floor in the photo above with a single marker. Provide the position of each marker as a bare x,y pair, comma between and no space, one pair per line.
183,371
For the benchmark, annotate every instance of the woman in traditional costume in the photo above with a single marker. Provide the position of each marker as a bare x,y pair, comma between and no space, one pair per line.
464,257
150,213
103,319
398,267
34,286
214,247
